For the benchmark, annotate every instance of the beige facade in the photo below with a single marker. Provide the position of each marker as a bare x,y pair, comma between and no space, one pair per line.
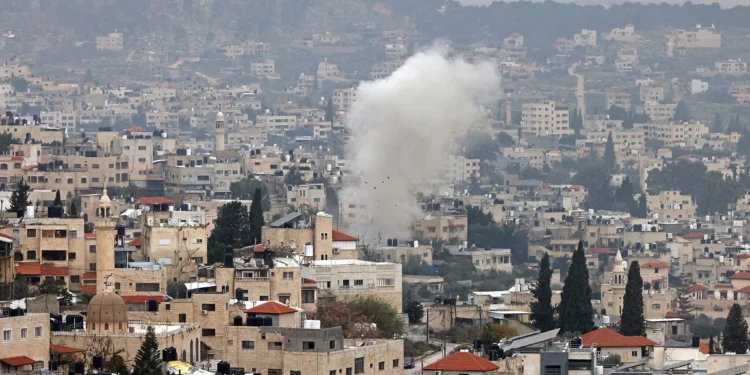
672,133
401,254
139,152
344,279
446,228
25,336
660,112
698,38
671,205
319,237
730,67
492,260
461,169
111,42
651,93
263,69
308,195
545,118
344,98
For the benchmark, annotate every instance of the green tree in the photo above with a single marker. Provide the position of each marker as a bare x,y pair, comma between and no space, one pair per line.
256,218
6,140
88,227
541,309
685,306
19,84
743,145
641,209
147,360
88,76
718,124
632,310
19,199
711,346
231,228
576,313
245,189
380,312
117,365
681,113
492,333
735,126
58,201
734,338
415,311
329,110
610,160
293,177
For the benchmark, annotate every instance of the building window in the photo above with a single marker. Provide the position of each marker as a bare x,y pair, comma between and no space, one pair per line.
348,371
308,345
332,344
75,279
381,365
274,372
656,306
71,256
395,363
117,286
6,335
284,298
288,275
30,232
182,318
168,306
92,266
248,345
92,248
634,353
38,332
292,372
359,282
208,332
146,287
274,345
552,370
24,333
332,372
208,307
359,365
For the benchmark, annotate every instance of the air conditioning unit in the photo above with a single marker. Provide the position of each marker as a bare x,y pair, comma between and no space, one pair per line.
336,250
204,312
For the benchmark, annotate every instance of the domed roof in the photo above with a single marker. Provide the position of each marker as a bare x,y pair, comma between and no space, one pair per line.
107,307
219,116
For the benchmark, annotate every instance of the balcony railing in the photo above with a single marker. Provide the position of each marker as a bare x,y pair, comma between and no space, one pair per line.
252,279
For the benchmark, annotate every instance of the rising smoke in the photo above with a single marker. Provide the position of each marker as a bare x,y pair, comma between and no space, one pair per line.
403,126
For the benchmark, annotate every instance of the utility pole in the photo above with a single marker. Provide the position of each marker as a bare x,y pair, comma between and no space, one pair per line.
427,325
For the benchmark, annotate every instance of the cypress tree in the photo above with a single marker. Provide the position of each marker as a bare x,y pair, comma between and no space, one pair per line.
148,361
684,299
610,160
735,332
711,346
58,201
19,200
73,210
541,309
256,217
576,313
632,310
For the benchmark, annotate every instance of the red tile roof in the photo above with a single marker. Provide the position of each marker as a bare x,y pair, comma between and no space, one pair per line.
88,288
654,265
134,129
697,288
693,236
16,158
340,236
64,349
137,242
462,361
154,200
89,275
308,281
54,271
141,299
29,268
743,256
18,361
89,235
271,307
671,315
741,276
605,337
602,251
3,235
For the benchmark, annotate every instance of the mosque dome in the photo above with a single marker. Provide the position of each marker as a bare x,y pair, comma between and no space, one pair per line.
107,313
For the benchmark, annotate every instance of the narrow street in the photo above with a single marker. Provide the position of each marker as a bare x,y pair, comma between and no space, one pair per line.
430,359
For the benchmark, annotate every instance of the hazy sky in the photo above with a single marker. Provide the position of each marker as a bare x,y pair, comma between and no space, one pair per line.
723,3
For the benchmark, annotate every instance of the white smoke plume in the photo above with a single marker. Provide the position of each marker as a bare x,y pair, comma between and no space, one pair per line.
402,128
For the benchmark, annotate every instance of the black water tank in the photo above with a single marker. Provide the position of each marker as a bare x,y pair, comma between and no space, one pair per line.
250,321
98,362
696,343
80,368
169,354
437,300
268,258
53,365
576,342
120,230
395,242
71,370
237,320
239,294
54,211
153,306
223,368
268,321
390,242
477,344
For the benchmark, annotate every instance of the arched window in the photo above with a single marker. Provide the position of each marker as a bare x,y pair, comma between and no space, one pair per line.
119,326
106,326
93,325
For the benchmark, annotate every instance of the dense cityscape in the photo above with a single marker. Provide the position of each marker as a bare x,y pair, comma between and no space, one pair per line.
345,187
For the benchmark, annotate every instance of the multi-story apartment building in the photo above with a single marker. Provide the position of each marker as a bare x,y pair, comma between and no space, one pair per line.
263,69
40,134
111,42
672,133
544,118
227,169
671,205
698,38
623,140
585,38
345,279
396,50
73,173
461,169
307,195
617,98
626,34
730,67
139,151
314,242
660,112
344,98
491,260
163,120
276,124
26,342
327,70
446,228
60,119
651,93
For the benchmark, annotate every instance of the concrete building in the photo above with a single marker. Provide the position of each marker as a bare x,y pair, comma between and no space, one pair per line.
585,38
651,93
698,86
626,34
346,279
660,112
111,42
491,260
447,228
730,67
344,98
26,342
545,118
309,195
671,205
617,98
672,133
698,38
263,69
460,169
220,136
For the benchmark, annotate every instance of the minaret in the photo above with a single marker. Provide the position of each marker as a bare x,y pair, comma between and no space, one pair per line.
619,279
581,96
105,243
508,111
219,132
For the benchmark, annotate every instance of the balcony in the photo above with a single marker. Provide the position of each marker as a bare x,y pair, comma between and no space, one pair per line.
251,279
